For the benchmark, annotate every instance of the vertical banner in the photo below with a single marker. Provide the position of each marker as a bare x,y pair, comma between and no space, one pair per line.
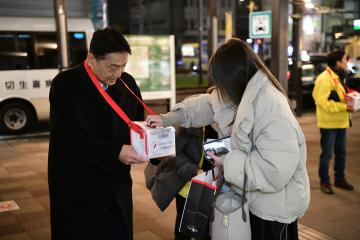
228,25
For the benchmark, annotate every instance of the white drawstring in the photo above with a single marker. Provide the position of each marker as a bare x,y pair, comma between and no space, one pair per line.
285,225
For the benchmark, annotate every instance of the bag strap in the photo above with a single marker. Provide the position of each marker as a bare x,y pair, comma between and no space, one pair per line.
220,183
243,199
112,103
147,108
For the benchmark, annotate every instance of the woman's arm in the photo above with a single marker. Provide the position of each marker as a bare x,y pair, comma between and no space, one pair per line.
192,112
272,160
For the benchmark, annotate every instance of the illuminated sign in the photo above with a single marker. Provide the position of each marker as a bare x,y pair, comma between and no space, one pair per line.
357,24
260,24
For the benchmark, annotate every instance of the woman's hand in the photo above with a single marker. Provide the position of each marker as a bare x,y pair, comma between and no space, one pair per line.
217,159
154,121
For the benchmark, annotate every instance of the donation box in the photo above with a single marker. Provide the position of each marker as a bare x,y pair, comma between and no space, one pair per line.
354,100
153,142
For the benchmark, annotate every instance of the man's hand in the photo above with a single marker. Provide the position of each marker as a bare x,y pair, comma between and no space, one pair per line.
350,105
129,156
154,121
350,109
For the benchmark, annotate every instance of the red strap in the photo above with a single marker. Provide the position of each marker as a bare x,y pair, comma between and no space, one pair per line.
334,80
144,105
111,102
349,90
204,183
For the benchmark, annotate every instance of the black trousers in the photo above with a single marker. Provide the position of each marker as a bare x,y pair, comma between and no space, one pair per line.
272,230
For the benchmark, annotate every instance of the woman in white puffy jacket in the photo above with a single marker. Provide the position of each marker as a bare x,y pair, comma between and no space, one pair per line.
267,143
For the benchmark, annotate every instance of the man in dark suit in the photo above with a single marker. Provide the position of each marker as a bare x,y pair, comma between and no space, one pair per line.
89,151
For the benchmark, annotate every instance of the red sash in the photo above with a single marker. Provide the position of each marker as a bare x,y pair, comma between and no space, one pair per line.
336,82
347,89
113,105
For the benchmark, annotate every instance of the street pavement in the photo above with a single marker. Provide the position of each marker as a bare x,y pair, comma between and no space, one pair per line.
23,178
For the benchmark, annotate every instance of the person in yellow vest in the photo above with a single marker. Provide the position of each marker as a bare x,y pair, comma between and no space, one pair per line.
333,118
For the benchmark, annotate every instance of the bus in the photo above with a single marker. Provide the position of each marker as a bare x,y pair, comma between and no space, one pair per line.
29,60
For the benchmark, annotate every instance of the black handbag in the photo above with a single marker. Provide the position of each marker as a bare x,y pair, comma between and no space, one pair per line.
198,206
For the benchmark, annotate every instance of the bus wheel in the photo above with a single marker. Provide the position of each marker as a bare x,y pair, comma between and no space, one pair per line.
15,117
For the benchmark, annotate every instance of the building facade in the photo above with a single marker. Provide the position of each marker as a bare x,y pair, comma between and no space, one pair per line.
43,8
177,17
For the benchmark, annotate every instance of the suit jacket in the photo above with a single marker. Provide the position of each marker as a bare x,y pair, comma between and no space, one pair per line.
330,112
87,182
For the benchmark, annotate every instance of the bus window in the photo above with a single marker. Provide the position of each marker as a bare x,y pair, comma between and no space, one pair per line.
38,50
46,53
14,54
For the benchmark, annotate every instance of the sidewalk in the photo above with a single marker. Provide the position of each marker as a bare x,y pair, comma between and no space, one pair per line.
23,178
336,215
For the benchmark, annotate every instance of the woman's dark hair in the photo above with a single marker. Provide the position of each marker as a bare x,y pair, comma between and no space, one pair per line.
333,57
231,68
108,40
